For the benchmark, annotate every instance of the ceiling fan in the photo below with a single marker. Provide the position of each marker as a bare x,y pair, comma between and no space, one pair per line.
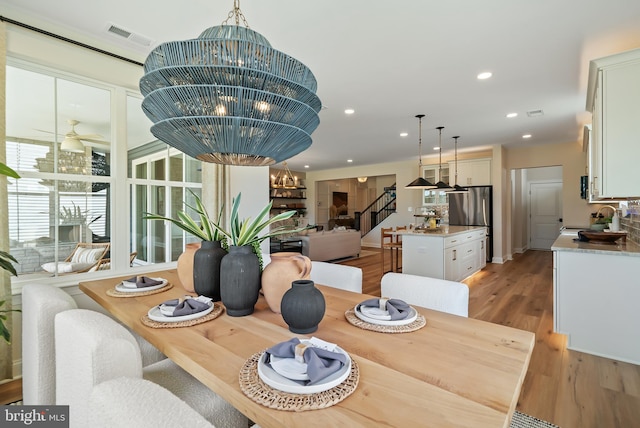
74,142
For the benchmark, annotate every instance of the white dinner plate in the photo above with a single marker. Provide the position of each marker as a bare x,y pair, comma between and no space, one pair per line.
155,314
413,315
124,289
289,368
282,383
375,313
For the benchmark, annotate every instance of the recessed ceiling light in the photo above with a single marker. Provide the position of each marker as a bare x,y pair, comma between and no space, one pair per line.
510,115
349,111
404,134
306,166
485,75
526,136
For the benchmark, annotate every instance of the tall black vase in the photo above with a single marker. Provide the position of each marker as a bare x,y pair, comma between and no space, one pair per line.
206,269
302,307
240,280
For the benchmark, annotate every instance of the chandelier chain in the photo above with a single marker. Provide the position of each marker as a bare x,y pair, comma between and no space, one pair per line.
236,14
420,143
440,148
456,158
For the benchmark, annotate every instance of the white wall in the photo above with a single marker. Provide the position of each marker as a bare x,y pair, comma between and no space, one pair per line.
253,183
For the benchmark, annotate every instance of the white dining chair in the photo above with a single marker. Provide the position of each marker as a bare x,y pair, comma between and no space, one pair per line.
432,293
40,304
127,402
337,276
92,348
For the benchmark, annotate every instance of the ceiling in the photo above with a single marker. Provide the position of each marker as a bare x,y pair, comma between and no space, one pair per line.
392,60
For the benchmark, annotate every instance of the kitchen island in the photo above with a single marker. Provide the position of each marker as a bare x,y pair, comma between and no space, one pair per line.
595,297
448,252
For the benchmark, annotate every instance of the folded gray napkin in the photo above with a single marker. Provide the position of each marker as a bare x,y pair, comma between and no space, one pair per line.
143,281
320,362
186,307
398,309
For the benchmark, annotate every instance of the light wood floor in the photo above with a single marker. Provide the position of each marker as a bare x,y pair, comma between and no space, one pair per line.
568,388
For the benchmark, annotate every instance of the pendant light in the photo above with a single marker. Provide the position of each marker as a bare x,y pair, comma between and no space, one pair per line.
441,185
420,182
456,188
228,97
284,178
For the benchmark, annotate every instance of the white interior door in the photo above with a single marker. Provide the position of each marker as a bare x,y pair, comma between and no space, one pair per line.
545,215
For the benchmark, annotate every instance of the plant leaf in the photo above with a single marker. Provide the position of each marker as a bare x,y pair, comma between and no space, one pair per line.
5,263
187,228
5,333
5,170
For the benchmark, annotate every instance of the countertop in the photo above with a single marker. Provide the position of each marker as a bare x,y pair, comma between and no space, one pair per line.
442,232
567,243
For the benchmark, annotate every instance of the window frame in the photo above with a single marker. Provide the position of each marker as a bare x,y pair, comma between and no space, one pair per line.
118,180
168,185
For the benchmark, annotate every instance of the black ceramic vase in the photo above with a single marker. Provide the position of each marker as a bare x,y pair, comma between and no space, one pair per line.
302,307
240,280
206,269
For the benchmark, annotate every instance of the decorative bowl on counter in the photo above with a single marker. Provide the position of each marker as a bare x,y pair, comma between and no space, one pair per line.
601,237
598,226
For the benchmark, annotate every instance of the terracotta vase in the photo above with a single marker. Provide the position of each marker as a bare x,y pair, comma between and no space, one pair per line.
185,266
280,273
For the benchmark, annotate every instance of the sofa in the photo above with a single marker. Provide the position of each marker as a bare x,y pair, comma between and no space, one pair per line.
330,245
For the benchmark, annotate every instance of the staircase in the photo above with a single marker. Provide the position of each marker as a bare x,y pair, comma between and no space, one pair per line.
377,211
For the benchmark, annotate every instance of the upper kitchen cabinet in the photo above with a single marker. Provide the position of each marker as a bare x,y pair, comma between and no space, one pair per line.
435,173
471,172
613,98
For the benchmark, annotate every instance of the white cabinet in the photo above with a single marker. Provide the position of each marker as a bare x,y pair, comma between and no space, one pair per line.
482,252
464,255
471,172
614,100
596,303
433,173
451,263
452,256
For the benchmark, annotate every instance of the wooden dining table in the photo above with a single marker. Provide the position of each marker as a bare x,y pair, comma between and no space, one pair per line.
454,371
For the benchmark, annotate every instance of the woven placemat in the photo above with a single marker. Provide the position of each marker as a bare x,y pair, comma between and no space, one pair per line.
254,388
522,420
420,322
218,309
115,293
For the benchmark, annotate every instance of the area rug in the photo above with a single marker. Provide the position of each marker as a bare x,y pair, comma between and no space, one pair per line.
522,420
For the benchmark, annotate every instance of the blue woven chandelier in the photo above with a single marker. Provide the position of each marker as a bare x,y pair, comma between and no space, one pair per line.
228,97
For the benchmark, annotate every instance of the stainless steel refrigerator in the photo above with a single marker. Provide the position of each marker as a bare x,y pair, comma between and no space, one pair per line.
474,208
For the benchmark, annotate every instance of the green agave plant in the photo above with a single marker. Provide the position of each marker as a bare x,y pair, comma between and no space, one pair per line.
206,230
5,264
247,231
